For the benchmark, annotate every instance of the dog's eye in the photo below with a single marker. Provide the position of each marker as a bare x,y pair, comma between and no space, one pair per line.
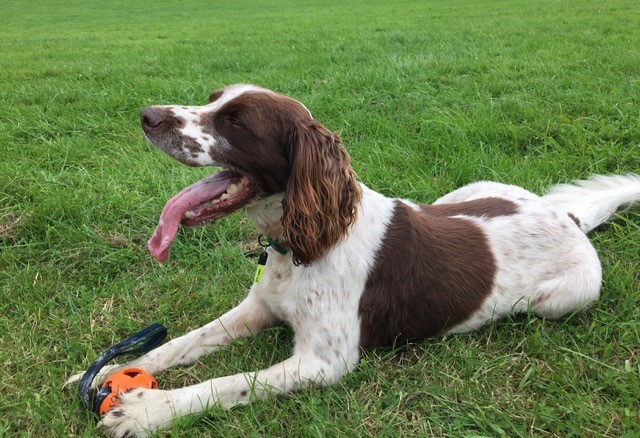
235,122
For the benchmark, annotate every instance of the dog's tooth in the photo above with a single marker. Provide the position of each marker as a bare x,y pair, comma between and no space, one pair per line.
189,214
224,196
232,189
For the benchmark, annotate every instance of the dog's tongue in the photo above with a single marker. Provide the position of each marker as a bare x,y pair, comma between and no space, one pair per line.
174,210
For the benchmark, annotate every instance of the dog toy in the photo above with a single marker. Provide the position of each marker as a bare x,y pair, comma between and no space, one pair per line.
122,381
105,397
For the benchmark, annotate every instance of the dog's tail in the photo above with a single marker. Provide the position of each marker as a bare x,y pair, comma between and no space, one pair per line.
596,200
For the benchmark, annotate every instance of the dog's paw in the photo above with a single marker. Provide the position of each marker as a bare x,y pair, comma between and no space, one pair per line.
100,377
140,412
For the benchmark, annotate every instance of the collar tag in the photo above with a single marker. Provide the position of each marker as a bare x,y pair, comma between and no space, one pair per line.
261,262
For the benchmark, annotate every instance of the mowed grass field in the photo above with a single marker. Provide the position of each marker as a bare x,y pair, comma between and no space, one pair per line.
427,95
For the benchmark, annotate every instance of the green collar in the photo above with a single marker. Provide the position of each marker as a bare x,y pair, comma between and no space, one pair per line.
273,244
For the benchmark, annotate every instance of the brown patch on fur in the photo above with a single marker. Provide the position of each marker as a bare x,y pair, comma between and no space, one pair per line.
574,218
432,272
484,207
541,298
215,95
192,145
321,195
117,413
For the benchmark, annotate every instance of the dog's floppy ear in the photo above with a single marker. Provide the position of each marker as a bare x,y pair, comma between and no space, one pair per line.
321,193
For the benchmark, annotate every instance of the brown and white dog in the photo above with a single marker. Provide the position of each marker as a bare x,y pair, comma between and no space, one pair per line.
352,268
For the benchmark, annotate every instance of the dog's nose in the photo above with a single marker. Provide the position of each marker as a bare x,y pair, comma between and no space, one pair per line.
151,117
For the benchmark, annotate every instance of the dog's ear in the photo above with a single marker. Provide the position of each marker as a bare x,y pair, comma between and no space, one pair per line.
321,193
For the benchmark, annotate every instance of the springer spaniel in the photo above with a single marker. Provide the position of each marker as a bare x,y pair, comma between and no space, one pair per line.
346,267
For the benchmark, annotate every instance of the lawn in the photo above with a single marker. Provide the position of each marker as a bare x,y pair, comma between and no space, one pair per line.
427,95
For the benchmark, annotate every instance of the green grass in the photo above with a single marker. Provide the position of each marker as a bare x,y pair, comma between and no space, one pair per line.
428,96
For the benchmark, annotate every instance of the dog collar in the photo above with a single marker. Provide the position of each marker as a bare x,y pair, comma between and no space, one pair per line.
271,243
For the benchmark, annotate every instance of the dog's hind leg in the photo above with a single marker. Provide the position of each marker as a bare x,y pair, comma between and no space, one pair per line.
574,289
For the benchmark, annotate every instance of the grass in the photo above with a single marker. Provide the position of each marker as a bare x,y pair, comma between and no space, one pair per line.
428,96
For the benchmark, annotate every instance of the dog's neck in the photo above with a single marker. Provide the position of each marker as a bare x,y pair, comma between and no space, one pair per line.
266,215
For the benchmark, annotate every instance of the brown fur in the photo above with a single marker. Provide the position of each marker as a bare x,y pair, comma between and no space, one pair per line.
215,95
485,207
432,272
321,194
574,218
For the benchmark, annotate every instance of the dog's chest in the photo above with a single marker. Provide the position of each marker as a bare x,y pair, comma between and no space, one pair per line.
274,285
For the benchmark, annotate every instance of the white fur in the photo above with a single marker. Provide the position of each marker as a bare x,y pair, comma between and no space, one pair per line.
597,199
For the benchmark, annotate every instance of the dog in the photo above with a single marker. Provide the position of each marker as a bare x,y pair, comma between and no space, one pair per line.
346,267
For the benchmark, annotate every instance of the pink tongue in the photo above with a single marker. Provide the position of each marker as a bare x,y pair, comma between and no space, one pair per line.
174,210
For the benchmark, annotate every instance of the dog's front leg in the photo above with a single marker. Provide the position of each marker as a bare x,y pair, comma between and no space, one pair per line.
142,411
249,317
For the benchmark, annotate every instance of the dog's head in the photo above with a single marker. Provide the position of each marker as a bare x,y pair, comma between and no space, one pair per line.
266,143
